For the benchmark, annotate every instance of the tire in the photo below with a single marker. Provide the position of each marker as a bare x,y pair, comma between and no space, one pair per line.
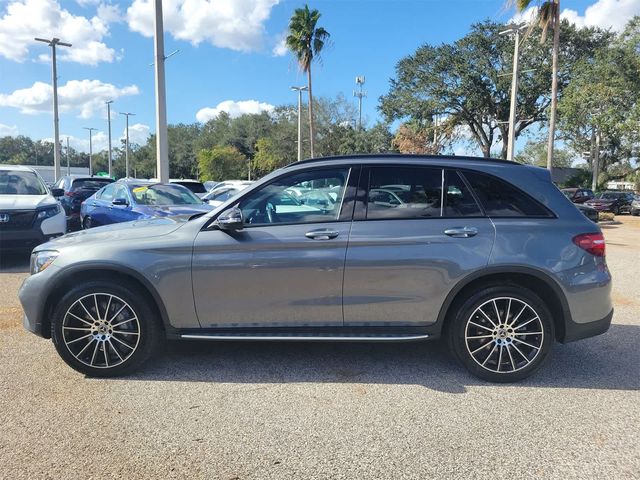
117,340
87,223
488,345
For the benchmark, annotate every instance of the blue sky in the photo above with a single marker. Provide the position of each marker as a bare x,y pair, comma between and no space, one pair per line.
228,53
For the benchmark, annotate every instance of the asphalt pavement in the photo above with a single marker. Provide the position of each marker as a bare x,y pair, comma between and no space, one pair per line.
343,411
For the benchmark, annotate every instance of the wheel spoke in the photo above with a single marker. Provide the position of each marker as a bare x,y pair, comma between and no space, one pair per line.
122,332
106,312
81,319
78,328
85,309
527,333
495,307
490,353
480,348
526,343
480,326
500,357
120,341
479,336
115,350
79,338
518,316
95,350
521,354
104,350
84,348
513,364
526,323
506,318
125,321
118,312
95,300
487,317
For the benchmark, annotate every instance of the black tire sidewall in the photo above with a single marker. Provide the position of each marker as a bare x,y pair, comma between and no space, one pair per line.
456,331
150,334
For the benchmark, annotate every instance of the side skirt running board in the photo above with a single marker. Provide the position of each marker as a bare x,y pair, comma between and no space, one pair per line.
307,338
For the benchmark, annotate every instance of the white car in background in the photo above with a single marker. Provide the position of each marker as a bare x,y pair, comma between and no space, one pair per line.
224,191
29,213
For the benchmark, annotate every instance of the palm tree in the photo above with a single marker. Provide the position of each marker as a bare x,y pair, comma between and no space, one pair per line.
548,16
306,40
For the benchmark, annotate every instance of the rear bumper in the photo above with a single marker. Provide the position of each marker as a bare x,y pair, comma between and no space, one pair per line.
577,331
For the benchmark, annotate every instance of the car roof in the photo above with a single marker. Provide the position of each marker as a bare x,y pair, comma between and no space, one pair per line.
19,168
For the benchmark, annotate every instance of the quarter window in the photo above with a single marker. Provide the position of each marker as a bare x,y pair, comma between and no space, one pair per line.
501,199
405,192
309,197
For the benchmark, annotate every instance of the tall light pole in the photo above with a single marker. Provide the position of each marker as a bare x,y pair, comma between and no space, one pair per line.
360,94
90,148
54,80
109,102
162,144
68,155
515,29
304,88
126,153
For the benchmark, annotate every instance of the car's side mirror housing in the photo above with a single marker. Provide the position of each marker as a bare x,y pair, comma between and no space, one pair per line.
120,201
230,219
57,192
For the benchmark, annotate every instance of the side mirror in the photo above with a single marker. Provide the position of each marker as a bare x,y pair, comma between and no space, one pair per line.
231,219
120,201
57,192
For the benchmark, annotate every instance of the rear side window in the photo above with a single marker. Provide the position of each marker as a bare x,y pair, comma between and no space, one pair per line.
404,192
501,199
458,199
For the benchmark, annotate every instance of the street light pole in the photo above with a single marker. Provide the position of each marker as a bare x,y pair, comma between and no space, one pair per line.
514,88
300,90
90,149
162,143
126,153
109,102
54,80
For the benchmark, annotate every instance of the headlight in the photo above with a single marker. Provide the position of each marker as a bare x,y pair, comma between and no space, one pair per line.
41,260
48,212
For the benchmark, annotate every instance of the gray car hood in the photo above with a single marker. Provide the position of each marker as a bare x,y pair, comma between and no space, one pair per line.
119,232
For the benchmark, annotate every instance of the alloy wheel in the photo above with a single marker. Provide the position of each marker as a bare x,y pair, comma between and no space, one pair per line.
504,335
101,330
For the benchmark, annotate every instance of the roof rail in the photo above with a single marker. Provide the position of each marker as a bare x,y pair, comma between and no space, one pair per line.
400,157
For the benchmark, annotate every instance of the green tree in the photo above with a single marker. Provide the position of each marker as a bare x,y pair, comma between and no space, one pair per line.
535,153
222,162
306,40
464,82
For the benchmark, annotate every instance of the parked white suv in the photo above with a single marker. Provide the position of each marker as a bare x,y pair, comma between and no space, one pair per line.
29,214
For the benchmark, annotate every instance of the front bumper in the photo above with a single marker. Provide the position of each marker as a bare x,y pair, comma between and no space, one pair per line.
33,294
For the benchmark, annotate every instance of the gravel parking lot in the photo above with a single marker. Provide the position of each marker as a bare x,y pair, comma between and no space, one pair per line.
245,410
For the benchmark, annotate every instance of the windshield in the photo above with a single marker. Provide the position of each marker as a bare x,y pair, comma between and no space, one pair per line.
164,195
610,195
21,183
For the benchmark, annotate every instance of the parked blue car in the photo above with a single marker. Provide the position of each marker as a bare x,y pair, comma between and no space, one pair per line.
128,200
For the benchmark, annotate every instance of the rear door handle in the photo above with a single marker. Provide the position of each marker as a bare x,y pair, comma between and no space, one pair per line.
461,232
322,234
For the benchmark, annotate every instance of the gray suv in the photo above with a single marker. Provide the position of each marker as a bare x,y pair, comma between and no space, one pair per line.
488,254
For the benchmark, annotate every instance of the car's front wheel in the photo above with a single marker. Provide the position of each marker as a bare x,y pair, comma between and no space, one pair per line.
103,329
502,333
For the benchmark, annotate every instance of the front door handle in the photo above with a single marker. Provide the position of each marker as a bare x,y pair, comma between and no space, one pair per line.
461,232
322,234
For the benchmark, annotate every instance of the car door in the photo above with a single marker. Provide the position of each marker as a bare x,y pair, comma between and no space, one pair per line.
121,212
402,260
98,207
285,267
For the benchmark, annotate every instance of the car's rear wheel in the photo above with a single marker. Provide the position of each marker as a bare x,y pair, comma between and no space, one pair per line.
87,223
104,330
502,333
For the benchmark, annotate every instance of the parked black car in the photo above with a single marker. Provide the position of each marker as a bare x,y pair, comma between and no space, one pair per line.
616,202
578,195
589,212
635,205
77,190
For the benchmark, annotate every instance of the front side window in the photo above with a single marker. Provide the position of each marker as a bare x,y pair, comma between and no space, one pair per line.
501,199
120,192
107,193
404,192
309,197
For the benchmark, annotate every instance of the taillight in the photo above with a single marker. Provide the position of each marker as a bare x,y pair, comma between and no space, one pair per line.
591,242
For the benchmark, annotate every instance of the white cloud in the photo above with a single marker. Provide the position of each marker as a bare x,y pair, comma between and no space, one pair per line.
612,14
8,130
234,109
606,14
25,19
138,134
234,24
280,49
82,96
